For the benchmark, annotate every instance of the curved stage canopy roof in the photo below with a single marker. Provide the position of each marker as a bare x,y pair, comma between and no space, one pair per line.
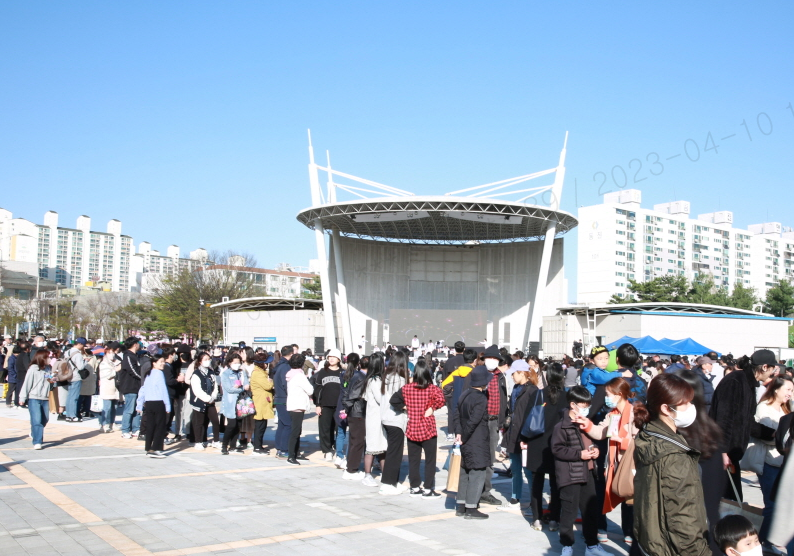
440,219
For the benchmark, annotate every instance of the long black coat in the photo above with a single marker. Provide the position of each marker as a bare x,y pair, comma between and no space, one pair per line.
511,440
474,434
539,456
733,408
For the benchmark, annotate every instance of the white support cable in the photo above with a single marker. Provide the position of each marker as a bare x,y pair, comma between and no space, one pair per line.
537,190
516,181
522,178
387,188
352,190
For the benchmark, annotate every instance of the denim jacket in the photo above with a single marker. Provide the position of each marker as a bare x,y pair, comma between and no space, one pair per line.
230,392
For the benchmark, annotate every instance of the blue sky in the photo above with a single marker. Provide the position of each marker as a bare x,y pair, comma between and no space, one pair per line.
187,120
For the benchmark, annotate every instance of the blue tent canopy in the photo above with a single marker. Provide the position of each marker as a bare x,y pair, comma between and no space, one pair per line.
617,343
665,346
687,346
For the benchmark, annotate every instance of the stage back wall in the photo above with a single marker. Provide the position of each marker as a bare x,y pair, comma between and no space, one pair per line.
496,279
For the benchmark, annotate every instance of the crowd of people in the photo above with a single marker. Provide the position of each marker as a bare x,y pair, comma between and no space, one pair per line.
665,440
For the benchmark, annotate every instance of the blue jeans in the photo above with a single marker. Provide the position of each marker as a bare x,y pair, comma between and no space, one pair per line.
284,428
108,415
766,482
518,480
73,397
341,438
39,415
130,420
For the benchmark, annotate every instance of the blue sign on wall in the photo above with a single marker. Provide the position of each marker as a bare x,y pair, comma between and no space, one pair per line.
265,340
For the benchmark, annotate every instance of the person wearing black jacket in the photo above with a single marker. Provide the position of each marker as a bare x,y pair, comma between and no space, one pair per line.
284,427
21,366
733,408
540,460
326,384
129,380
353,407
703,370
522,400
574,456
171,372
474,438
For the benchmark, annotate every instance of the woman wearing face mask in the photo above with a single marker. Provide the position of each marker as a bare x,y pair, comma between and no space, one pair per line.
669,511
246,423
108,368
234,380
619,428
153,397
704,435
522,400
203,393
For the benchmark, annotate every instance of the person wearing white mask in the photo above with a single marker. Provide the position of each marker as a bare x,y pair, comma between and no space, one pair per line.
735,535
202,395
234,380
669,508
575,466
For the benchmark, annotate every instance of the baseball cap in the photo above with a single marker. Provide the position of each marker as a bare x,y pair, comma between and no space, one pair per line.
703,360
83,341
519,365
334,353
763,357
492,351
153,349
597,349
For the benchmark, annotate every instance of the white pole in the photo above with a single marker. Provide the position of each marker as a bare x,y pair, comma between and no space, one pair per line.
340,279
325,286
535,314
319,236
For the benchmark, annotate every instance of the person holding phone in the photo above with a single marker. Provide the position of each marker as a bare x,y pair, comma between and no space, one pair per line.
574,462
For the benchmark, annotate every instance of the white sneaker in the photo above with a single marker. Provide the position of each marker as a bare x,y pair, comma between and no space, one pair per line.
370,481
450,438
102,428
217,445
567,551
389,490
338,462
358,475
538,526
126,435
198,446
595,550
37,446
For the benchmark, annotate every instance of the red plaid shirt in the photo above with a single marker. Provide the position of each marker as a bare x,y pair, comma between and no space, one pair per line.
417,400
493,394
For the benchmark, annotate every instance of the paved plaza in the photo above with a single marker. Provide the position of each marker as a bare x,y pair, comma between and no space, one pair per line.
92,493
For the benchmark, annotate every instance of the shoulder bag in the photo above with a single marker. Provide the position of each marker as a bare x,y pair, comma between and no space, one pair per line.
535,421
623,481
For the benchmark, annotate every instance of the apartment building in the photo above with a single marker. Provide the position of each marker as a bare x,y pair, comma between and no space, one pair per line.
619,240
284,281
149,266
69,256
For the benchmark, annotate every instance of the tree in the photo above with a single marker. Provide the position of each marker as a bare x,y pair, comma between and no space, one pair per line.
743,298
176,299
702,290
780,299
313,288
660,289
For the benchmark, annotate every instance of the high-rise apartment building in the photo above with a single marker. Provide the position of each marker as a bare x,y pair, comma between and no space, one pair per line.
69,256
79,257
619,240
